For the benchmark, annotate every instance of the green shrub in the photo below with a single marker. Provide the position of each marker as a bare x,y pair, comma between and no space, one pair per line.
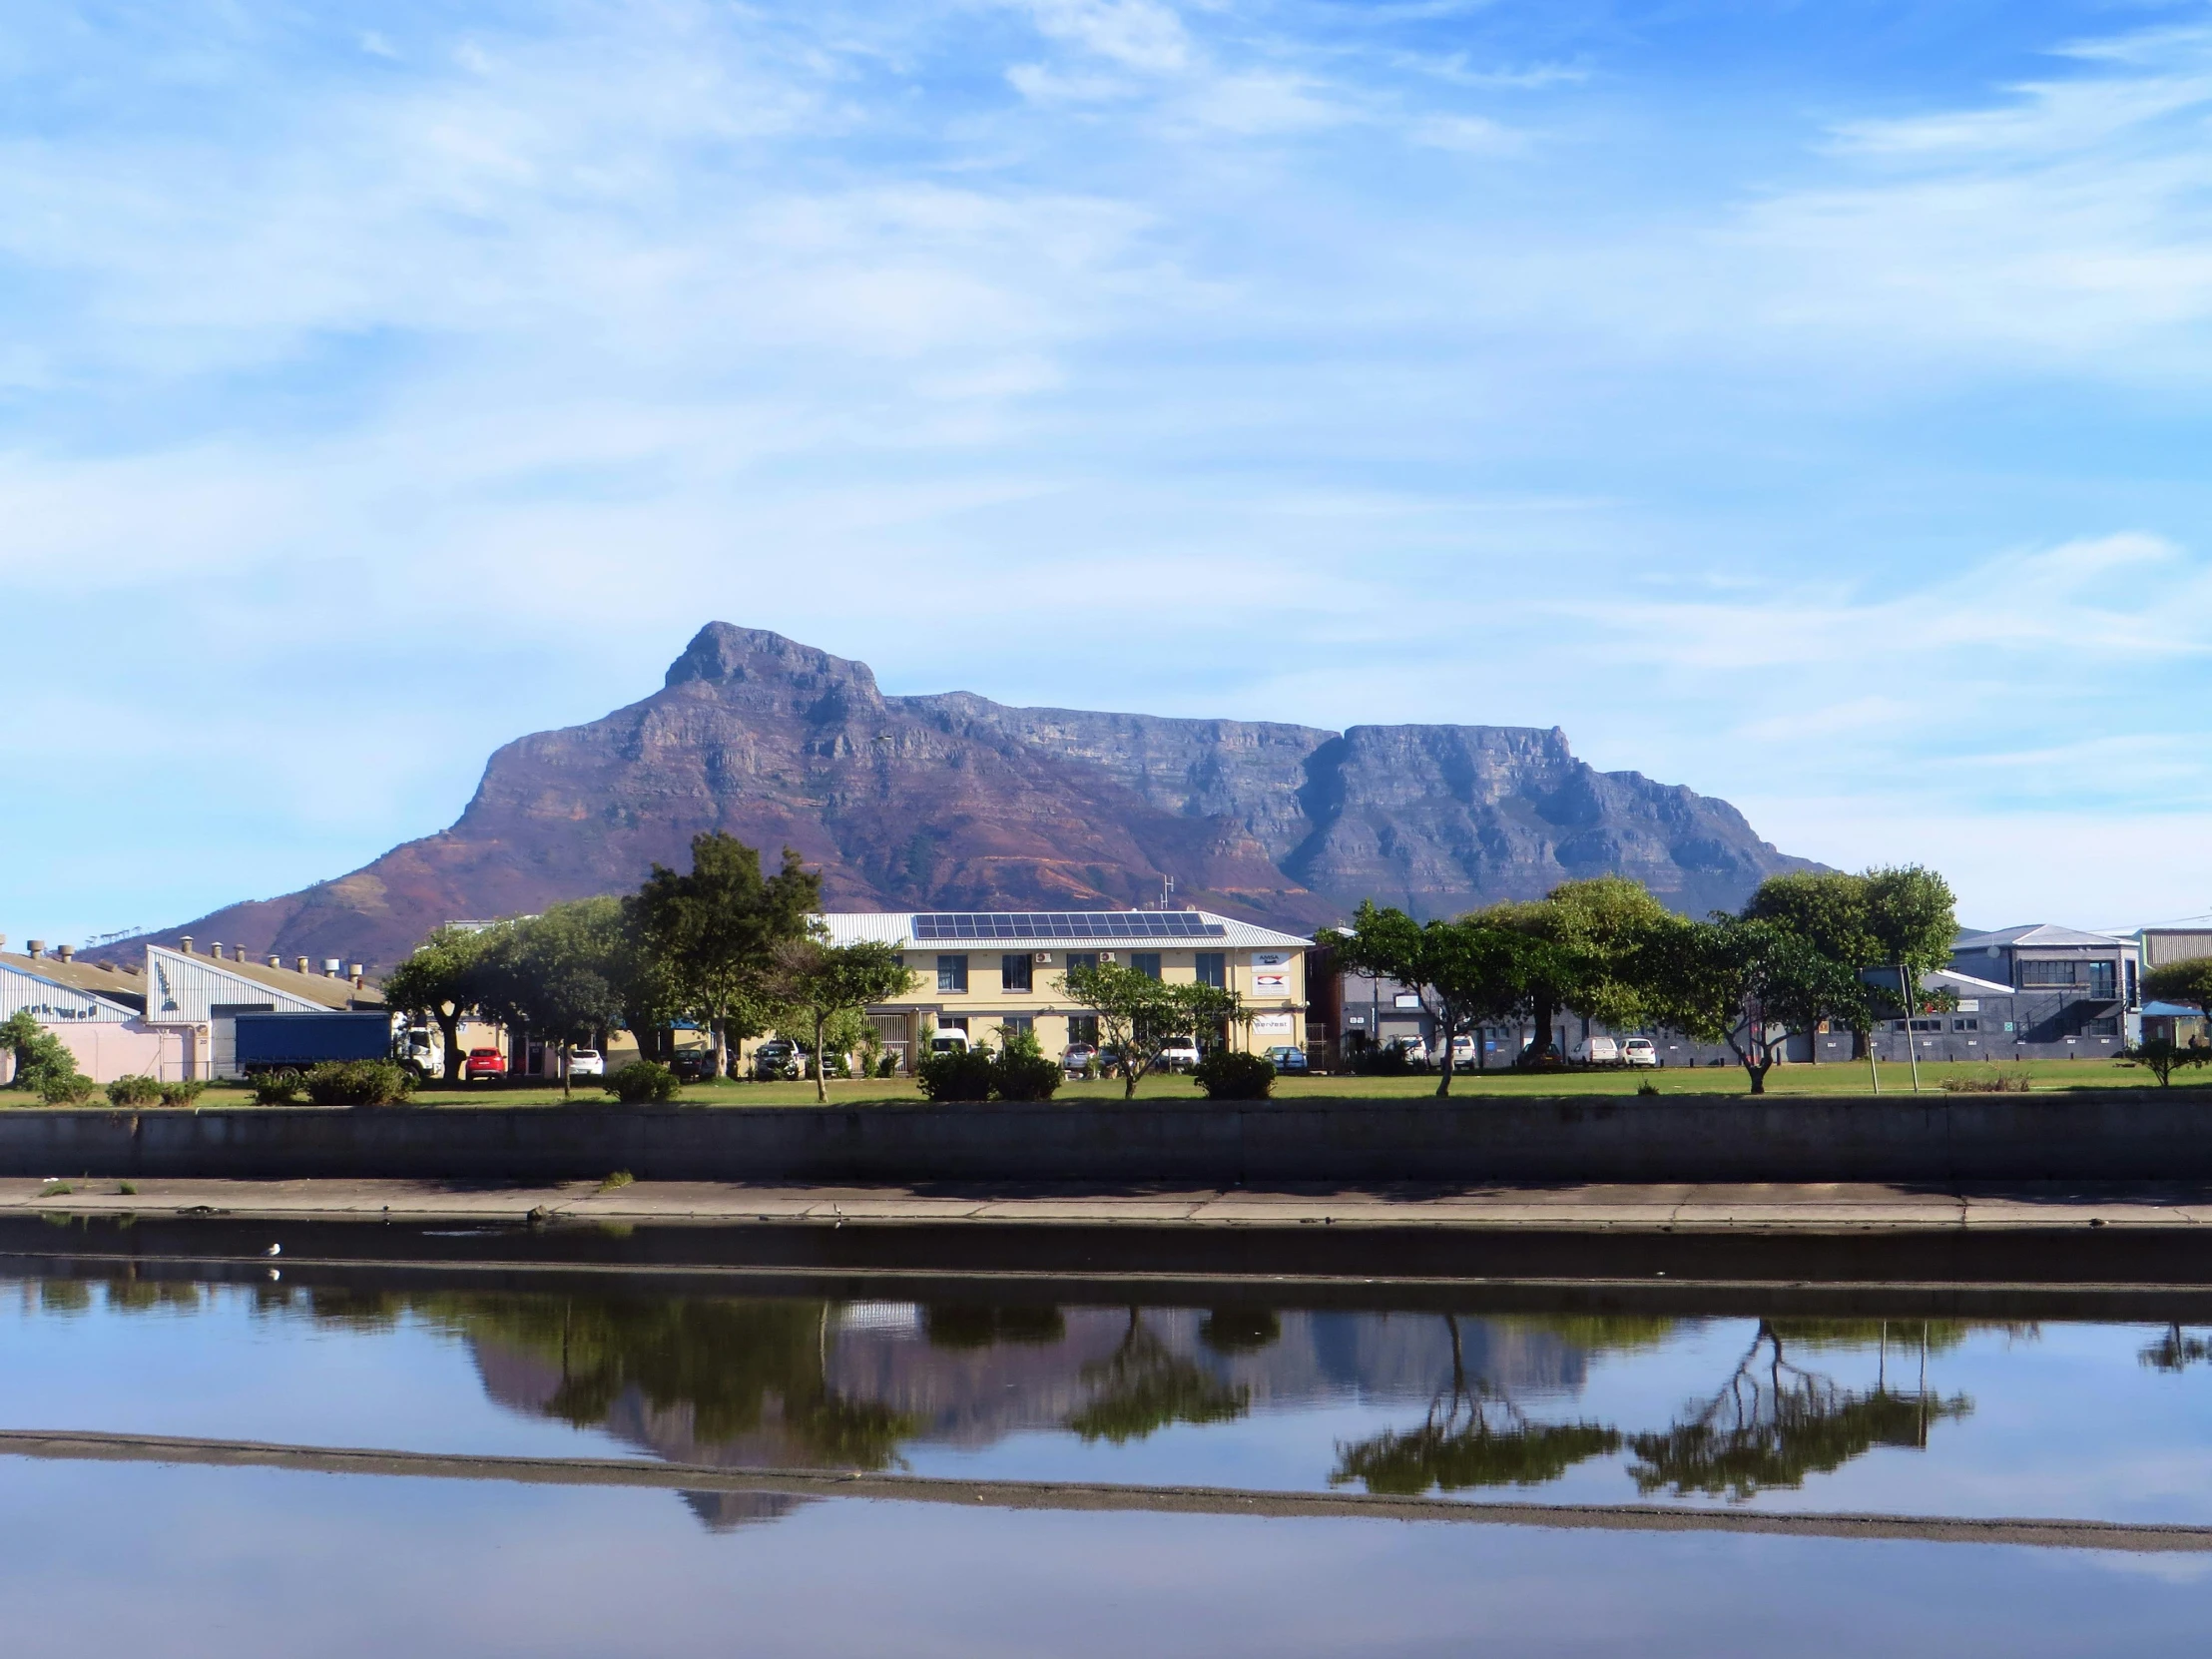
1387,1060
357,1083
1227,1076
640,1081
66,1088
133,1091
1021,1071
183,1094
888,1065
959,1075
276,1088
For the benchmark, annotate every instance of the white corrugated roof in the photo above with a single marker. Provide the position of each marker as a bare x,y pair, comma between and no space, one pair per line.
2035,933
897,928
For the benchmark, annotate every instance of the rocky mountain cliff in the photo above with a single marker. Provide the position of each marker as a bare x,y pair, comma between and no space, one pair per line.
951,802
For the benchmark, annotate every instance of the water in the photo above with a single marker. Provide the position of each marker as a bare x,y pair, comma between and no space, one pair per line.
1724,1411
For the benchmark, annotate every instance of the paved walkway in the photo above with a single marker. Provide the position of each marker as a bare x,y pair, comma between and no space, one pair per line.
1679,1208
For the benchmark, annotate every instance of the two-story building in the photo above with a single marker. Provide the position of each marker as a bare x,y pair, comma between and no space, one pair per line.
980,971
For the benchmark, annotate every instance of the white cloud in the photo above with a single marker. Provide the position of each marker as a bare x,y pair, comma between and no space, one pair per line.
1137,34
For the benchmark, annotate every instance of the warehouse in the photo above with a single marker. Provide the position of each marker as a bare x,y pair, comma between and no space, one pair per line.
97,1012
201,997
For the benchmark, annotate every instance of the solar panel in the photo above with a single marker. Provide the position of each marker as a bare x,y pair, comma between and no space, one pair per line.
1066,924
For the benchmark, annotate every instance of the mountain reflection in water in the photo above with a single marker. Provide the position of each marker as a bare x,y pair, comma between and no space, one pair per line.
792,1384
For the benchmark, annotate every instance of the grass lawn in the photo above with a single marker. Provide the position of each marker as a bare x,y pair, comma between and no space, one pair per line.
1710,1080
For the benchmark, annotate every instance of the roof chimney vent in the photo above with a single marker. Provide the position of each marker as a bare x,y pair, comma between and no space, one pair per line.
67,952
37,947
331,966
185,944
299,964
275,960
353,973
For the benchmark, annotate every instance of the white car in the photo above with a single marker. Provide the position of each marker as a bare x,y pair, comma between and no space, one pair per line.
1415,1049
1638,1051
1463,1052
1179,1054
586,1062
1598,1051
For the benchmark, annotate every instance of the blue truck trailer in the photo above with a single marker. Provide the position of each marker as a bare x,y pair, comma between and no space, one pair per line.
270,1042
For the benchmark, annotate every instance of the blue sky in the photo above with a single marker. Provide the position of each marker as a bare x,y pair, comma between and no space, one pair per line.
1804,402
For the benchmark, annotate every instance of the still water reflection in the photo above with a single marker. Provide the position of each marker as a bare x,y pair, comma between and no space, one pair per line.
1939,1418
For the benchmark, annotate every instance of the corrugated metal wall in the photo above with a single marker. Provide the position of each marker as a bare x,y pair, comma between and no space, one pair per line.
181,988
56,1004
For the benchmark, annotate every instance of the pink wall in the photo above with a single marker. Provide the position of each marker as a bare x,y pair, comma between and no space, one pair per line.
105,1052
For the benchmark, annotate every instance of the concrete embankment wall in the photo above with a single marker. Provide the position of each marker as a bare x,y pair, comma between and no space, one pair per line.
2116,1135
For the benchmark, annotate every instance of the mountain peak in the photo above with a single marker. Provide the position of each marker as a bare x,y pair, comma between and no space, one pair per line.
724,651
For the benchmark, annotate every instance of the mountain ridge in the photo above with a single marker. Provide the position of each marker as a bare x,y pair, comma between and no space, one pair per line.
950,800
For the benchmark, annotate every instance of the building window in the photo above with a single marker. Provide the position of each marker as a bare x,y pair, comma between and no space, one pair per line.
1024,1024
1083,1028
954,1022
1016,974
1927,1025
1965,1025
1082,959
2101,979
951,973
2048,974
1213,968
1146,963
2100,1027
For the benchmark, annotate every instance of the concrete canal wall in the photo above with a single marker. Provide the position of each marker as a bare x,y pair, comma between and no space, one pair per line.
2104,1135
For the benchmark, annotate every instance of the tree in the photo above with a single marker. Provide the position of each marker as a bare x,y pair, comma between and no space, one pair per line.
440,980
1138,1015
2182,982
1743,982
1912,917
2162,1057
1467,972
1828,909
556,973
1598,931
814,982
710,935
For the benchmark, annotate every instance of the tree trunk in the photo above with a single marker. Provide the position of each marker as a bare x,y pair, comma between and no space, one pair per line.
822,1068
449,1028
1542,1044
1443,1081
565,1089
722,1048
1756,1070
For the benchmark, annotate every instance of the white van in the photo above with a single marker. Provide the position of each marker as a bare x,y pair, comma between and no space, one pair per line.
1598,1051
942,1042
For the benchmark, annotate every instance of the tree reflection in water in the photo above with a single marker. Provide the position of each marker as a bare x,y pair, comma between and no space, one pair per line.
1144,1386
1473,1435
2177,1350
1774,1423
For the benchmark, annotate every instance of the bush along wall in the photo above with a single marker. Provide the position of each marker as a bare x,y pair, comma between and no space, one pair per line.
1227,1076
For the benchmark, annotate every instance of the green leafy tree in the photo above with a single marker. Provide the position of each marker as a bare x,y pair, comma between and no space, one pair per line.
441,980
707,937
1747,984
1467,972
814,983
43,1062
1139,1015
2162,1057
1599,932
2182,982
558,974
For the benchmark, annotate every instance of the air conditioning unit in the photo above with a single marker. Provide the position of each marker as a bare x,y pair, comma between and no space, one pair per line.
1043,958
1105,955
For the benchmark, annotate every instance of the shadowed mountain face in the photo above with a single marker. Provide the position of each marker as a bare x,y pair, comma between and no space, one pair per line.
950,802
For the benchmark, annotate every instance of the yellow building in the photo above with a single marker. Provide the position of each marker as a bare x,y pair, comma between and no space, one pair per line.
978,970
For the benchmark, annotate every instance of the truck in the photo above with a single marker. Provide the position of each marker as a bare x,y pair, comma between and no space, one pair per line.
295,1041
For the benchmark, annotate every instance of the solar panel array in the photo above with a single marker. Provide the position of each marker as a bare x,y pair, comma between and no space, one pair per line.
1068,924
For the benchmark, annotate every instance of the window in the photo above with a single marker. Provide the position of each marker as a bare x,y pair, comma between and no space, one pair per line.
2100,1027
1082,959
1927,1025
2048,973
1146,963
1965,1025
1407,1000
2101,979
1213,968
951,973
232,1010
1023,1024
954,1022
1014,973
1083,1028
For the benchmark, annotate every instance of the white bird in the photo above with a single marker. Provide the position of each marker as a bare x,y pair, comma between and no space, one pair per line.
274,1250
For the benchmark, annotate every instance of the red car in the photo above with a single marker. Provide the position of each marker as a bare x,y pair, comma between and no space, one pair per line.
484,1062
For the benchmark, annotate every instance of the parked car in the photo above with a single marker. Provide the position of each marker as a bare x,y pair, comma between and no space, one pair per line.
1639,1051
776,1061
1598,1051
944,1041
1178,1054
1415,1050
1463,1053
1077,1058
483,1062
1288,1059
586,1062
693,1065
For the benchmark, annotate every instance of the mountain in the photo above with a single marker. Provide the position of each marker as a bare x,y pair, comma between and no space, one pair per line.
953,801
